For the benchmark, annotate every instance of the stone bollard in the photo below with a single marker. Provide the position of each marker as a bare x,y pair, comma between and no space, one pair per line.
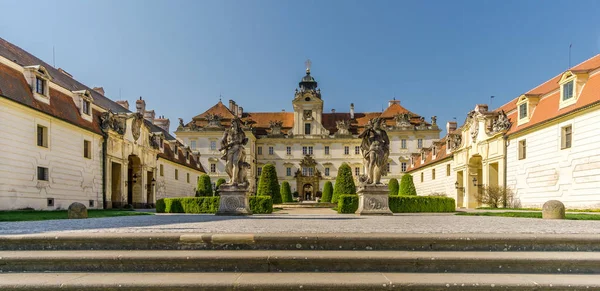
77,211
553,209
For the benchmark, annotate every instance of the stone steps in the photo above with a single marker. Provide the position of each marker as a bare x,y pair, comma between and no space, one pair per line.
301,261
293,281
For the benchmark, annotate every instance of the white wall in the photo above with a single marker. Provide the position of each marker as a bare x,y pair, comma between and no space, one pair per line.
549,172
167,186
72,177
442,183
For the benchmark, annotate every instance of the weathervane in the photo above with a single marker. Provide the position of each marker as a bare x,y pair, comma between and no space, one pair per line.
308,63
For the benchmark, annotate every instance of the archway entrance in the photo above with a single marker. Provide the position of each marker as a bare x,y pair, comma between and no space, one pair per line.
134,182
474,181
308,192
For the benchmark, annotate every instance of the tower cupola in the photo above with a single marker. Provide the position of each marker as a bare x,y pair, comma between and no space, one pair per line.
308,82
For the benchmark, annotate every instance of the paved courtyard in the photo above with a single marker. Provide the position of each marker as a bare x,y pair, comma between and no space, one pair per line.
305,223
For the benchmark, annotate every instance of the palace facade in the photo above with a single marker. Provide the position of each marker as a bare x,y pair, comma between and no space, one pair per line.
306,145
64,142
543,145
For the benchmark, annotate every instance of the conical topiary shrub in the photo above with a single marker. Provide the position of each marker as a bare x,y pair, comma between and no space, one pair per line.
344,183
219,182
268,184
407,187
204,187
327,192
393,186
286,192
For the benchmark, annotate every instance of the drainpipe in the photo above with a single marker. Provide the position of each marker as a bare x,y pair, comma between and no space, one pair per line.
104,176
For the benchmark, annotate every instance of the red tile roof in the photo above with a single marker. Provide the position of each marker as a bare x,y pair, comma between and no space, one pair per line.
441,154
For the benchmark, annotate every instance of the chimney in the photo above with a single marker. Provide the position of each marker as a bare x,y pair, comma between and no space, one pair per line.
351,110
450,126
123,103
231,105
393,102
240,112
100,90
149,115
163,123
140,105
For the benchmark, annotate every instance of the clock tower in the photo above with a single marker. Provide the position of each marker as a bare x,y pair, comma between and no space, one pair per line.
308,107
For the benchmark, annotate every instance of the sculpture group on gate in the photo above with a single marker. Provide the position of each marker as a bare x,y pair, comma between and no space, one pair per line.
232,148
375,149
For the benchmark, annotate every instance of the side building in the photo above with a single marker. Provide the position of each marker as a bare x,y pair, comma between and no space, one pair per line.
64,142
306,145
542,145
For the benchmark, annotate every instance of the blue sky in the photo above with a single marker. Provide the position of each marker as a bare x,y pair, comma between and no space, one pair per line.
437,57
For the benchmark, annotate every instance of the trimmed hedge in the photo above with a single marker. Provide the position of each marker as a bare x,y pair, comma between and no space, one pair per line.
407,186
286,192
204,186
347,203
188,205
258,205
219,183
404,204
327,192
268,184
261,204
344,183
393,186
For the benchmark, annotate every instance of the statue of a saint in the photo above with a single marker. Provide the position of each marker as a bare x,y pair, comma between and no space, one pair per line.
375,148
232,147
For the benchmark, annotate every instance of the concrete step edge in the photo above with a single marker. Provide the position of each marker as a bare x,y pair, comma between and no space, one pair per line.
295,281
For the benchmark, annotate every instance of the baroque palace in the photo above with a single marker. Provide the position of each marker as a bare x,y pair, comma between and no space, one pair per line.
64,142
542,145
306,145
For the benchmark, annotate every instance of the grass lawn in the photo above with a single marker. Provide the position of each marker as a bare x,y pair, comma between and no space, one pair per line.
30,215
570,216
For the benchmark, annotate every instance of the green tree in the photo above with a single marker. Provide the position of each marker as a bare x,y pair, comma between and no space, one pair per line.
286,192
407,187
327,192
268,184
344,183
393,186
219,182
204,187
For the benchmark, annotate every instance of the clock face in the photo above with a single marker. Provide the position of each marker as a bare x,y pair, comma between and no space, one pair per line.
307,113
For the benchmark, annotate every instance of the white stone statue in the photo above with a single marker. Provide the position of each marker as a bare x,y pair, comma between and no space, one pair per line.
375,148
232,147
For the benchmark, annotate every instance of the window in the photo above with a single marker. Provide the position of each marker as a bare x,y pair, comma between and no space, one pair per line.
271,150
326,171
259,171
305,150
40,86
161,142
259,150
307,128
188,177
403,166
213,145
420,143
307,171
50,202
566,137
310,150
522,110
356,150
448,170
421,177
522,149
326,150
288,151
193,144
434,151
42,174
86,107
87,149
357,171
176,152
567,92
288,171
42,136
91,203
176,174
162,170
213,168
432,174
403,143
346,150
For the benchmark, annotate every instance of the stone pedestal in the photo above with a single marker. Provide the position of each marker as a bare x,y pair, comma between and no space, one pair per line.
233,201
373,200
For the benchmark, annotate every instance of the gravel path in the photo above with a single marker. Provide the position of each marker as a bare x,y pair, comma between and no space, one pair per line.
305,223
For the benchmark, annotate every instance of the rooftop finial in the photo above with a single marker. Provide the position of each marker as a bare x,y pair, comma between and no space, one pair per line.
308,63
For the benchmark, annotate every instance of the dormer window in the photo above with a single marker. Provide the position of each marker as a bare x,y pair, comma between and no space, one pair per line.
86,107
434,151
568,90
522,110
40,85
38,77
83,100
